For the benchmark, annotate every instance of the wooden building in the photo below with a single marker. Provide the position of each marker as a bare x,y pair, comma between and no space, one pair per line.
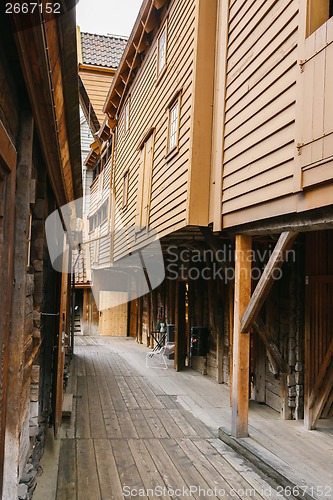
221,116
98,57
40,171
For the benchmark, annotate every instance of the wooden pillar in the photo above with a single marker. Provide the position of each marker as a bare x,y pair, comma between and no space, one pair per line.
180,324
241,342
16,403
63,329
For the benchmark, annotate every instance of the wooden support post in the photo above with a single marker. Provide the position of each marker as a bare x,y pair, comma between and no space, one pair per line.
241,344
180,324
63,329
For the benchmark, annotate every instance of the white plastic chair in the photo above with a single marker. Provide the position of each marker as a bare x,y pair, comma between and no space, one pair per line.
167,349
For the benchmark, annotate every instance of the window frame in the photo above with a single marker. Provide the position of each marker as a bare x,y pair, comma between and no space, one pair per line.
161,69
125,190
127,117
317,14
176,101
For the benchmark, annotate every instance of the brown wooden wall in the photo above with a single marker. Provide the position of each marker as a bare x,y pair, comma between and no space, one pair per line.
276,145
260,104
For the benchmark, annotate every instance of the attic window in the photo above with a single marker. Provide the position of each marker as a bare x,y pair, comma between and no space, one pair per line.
161,51
319,12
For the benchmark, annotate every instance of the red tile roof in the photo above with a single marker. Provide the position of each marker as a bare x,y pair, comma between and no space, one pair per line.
102,50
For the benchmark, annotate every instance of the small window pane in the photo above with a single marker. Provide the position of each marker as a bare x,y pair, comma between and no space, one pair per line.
173,125
161,51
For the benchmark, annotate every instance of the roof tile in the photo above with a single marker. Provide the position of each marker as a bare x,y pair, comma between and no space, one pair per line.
102,50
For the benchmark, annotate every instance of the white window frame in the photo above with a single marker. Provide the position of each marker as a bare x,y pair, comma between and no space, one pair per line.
162,51
125,189
173,125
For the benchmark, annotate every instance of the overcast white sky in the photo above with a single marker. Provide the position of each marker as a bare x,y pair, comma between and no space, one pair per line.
115,17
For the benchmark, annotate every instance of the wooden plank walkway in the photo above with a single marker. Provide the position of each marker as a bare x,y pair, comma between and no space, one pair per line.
137,432
133,432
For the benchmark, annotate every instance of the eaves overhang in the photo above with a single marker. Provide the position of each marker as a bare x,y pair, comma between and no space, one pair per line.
149,19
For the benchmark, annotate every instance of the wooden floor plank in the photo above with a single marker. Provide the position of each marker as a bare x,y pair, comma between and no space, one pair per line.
207,470
142,428
165,465
150,475
172,428
157,428
127,427
97,427
201,429
109,480
82,409
67,474
127,469
111,422
183,423
191,475
138,393
88,482
126,393
132,429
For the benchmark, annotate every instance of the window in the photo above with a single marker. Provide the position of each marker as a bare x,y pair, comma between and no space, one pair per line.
126,117
319,11
161,52
125,190
173,125
144,182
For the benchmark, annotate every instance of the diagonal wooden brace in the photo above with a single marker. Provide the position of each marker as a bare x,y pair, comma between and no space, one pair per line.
284,243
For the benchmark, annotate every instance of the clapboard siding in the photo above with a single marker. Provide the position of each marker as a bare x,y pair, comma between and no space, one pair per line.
97,85
149,100
260,104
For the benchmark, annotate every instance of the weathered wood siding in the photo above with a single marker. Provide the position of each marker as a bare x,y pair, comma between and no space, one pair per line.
261,77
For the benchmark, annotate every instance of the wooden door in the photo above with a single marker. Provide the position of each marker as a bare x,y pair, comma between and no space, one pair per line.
319,328
7,204
113,318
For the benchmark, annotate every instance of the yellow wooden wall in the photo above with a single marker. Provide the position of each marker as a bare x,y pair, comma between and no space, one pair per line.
170,204
97,84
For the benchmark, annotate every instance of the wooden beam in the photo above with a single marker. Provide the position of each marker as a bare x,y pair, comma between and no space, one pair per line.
215,244
241,344
270,345
7,148
267,279
321,377
320,400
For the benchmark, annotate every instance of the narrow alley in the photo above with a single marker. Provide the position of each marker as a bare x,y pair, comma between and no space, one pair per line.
138,430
